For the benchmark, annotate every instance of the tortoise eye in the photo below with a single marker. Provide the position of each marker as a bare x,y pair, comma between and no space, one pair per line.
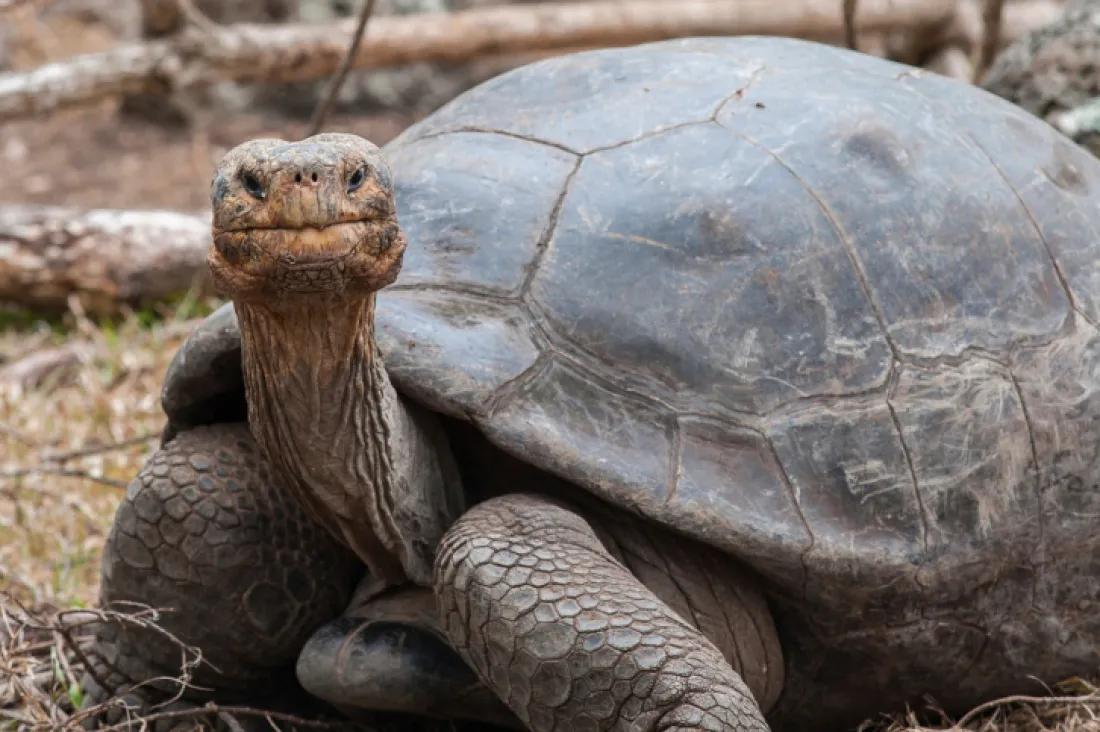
355,182
252,185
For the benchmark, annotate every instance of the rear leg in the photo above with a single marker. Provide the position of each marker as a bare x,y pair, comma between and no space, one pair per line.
206,533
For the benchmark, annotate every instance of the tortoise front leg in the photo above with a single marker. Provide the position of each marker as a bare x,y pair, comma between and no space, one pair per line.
568,637
207,534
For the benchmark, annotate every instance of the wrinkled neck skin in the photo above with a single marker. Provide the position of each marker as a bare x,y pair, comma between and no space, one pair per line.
376,472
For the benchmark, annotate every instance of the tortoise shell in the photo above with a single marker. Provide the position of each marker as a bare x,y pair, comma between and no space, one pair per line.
834,315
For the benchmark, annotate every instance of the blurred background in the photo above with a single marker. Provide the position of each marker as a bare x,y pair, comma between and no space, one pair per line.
114,112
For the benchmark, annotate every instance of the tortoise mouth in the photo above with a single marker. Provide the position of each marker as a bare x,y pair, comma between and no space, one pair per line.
294,245
358,255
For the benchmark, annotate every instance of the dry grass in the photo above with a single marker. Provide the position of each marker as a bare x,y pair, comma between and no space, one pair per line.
79,414
45,657
1073,706
69,444
77,419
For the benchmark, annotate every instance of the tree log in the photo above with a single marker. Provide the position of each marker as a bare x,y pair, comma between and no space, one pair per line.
103,257
300,52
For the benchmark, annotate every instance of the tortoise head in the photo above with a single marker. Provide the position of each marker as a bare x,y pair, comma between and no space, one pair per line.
294,219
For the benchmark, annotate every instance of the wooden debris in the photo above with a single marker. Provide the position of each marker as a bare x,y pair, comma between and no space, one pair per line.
197,57
102,256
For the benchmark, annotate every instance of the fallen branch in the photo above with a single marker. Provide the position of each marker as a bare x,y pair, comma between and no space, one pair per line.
299,52
103,257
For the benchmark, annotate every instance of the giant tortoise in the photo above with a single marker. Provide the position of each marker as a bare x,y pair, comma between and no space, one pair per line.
732,380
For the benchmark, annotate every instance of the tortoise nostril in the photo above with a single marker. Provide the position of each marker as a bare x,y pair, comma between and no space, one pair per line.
297,177
313,177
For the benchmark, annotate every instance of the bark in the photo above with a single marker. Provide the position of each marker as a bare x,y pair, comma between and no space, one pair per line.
103,257
300,52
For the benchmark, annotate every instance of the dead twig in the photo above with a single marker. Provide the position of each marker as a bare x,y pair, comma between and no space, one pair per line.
53,463
78,651
992,18
62,457
998,704
319,114
61,473
212,709
850,24
41,660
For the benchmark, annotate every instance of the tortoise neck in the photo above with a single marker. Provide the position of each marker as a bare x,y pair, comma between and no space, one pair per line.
321,407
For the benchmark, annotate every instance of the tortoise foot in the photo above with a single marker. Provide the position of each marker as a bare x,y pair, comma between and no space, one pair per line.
389,655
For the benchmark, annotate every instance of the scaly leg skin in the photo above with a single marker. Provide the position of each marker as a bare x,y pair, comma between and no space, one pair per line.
567,637
206,531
